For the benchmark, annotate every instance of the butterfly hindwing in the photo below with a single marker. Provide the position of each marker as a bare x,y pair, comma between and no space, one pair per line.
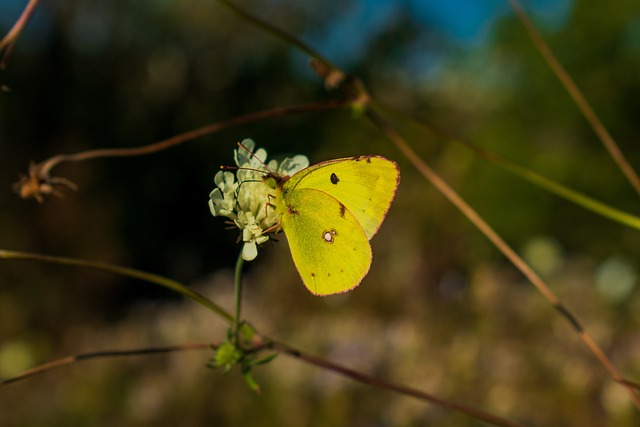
366,185
329,247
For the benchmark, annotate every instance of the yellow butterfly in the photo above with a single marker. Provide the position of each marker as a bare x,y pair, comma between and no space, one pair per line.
329,212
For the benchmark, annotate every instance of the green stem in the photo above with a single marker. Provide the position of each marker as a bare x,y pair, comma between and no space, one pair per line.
129,272
536,179
579,199
238,293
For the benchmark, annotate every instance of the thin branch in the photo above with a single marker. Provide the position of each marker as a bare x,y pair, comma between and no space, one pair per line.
39,181
631,384
271,29
99,355
577,96
331,75
503,247
262,343
9,41
398,388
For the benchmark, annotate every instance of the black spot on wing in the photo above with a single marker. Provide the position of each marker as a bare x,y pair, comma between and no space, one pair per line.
334,179
343,209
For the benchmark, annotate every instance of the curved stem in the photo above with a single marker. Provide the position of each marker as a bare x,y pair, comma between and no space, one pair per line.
48,164
39,181
129,272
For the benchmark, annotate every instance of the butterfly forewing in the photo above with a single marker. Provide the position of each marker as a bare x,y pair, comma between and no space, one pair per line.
365,185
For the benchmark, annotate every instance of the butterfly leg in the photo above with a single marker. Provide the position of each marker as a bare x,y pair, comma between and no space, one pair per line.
276,227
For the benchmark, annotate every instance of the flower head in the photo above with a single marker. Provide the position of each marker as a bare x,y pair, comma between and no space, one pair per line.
244,197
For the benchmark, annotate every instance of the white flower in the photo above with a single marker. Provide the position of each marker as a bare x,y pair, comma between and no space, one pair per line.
247,200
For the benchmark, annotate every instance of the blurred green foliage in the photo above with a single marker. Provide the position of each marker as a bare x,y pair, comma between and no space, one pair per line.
441,310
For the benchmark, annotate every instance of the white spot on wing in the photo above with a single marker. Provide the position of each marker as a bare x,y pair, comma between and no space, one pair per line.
329,235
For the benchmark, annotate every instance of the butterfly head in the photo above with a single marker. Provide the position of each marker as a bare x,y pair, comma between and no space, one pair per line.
274,180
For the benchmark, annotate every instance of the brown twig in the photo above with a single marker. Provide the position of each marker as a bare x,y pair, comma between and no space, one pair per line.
257,343
262,343
98,355
11,38
398,388
515,259
275,31
577,96
39,182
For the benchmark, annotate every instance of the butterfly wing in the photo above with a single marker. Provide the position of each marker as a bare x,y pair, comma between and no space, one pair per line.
366,185
329,247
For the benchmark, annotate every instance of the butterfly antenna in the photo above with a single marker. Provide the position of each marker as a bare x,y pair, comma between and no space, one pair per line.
235,168
245,148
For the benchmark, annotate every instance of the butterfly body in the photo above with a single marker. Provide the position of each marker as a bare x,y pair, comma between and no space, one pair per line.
329,212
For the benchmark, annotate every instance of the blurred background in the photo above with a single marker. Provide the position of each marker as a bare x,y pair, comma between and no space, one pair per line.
441,310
